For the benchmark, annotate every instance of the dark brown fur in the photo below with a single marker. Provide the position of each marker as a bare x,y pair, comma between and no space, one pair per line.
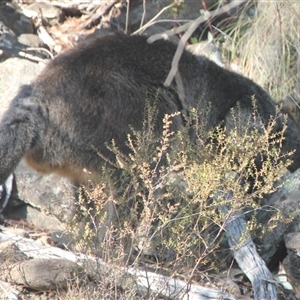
90,95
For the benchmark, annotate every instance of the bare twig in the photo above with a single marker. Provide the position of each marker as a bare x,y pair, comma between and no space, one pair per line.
144,13
45,37
151,22
208,21
190,28
40,49
127,15
244,251
99,14
248,259
31,57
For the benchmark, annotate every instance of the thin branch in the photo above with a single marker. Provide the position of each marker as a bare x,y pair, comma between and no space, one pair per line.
150,23
99,14
190,28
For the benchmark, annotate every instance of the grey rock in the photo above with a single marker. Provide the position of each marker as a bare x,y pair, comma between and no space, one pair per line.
50,13
14,20
35,217
292,262
49,193
44,274
64,240
287,201
11,293
14,72
30,40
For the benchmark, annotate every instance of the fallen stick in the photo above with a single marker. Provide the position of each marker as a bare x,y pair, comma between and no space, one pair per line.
245,254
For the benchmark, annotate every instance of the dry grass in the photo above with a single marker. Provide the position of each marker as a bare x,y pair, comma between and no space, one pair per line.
269,46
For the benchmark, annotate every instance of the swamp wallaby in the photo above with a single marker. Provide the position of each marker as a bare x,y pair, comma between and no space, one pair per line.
93,93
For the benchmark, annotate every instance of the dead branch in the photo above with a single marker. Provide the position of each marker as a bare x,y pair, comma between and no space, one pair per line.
95,18
190,28
245,254
152,21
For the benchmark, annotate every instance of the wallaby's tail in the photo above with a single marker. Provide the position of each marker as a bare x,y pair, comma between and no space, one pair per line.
18,128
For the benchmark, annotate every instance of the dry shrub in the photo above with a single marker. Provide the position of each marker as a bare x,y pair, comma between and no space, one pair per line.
169,192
